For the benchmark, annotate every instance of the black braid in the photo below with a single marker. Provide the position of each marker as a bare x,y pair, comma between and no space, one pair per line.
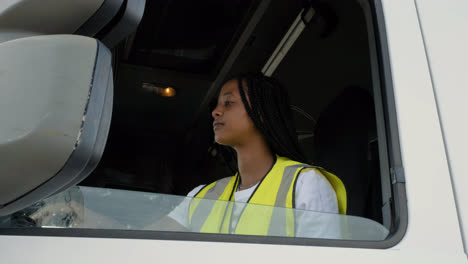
270,111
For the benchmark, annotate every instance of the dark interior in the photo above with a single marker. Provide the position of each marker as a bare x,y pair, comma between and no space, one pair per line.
165,145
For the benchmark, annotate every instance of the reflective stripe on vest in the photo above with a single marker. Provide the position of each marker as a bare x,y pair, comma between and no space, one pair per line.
276,190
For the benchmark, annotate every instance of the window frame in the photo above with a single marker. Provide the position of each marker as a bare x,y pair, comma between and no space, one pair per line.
389,152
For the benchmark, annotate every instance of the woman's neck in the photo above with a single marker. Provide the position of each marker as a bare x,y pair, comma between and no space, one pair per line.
254,160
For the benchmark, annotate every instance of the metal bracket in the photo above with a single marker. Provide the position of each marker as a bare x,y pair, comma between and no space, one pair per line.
307,15
398,175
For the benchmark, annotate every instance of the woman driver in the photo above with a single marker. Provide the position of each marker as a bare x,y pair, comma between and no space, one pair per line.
253,117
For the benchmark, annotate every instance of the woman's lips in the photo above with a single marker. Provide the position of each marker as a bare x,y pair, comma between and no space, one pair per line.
217,125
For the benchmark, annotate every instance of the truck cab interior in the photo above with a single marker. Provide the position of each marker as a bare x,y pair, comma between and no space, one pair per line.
170,57
165,144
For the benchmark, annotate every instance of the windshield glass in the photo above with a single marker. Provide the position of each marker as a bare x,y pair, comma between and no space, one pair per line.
102,208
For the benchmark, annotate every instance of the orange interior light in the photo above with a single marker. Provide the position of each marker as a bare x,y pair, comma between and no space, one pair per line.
167,92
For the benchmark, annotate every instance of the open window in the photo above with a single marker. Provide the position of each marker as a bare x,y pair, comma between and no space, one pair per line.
328,54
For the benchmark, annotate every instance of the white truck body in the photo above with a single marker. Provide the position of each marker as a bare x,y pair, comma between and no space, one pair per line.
427,51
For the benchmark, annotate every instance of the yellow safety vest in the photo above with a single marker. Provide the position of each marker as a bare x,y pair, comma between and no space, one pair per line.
276,190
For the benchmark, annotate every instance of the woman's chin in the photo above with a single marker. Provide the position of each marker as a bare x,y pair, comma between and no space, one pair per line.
222,141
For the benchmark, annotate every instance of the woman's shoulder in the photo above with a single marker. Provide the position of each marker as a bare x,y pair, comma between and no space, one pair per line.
314,192
197,189
312,177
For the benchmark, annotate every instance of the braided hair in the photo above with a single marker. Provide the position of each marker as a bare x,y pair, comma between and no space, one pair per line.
269,108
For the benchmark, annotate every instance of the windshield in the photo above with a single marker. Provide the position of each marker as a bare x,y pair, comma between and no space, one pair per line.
102,208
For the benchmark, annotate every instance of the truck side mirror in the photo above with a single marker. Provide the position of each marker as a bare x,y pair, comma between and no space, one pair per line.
56,97
110,21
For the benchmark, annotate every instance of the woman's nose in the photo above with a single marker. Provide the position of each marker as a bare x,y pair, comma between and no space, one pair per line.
216,113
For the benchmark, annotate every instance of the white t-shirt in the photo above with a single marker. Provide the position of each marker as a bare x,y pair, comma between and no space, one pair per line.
313,193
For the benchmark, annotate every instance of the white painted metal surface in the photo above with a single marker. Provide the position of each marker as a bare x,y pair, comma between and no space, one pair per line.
446,43
87,250
433,223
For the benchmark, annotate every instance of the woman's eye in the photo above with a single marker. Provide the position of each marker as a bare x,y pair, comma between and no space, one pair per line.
227,103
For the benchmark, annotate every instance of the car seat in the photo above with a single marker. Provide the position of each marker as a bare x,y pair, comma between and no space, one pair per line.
345,145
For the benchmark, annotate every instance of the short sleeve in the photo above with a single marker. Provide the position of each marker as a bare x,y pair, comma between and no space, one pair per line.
181,212
315,193
317,207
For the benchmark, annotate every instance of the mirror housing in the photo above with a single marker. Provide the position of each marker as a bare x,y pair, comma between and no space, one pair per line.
55,110
25,18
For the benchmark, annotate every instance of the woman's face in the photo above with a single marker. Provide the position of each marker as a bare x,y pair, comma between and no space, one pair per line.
232,125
